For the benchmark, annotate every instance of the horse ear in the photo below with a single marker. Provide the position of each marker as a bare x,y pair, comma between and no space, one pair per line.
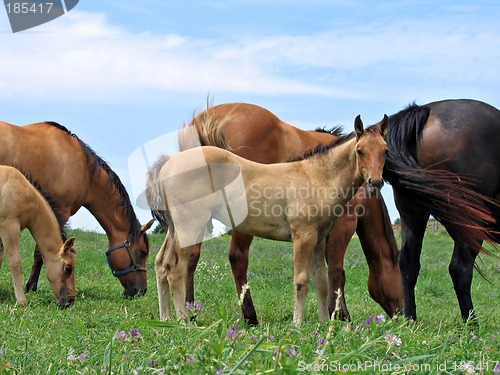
69,246
358,126
146,226
384,124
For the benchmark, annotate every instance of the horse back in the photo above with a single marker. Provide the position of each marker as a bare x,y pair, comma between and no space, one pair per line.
50,156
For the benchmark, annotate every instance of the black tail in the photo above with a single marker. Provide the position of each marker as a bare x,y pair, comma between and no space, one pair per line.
448,197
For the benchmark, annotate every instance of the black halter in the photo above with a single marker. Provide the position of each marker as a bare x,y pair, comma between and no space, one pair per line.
133,264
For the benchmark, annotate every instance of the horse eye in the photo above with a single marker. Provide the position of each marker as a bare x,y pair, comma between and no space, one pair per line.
360,152
69,270
144,253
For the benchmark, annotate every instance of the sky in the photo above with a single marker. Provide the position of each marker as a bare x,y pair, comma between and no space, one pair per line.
121,73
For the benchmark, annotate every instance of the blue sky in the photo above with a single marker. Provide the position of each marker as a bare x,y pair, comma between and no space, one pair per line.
119,73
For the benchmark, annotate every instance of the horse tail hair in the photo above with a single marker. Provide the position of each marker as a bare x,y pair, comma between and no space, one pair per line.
154,194
210,130
448,197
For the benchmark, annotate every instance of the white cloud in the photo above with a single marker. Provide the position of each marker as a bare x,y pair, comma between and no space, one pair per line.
84,57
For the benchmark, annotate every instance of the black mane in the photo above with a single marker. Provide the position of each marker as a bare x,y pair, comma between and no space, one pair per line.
95,162
321,149
337,131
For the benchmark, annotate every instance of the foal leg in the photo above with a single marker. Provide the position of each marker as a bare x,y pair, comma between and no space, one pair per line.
461,271
321,281
162,281
238,257
413,224
304,243
10,238
32,283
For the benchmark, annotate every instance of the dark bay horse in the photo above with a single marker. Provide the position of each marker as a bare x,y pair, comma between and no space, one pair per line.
295,202
76,176
443,161
256,134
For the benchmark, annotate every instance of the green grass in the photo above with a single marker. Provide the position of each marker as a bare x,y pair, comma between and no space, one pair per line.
94,336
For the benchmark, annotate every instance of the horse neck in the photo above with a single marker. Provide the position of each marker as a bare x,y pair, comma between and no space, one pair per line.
105,204
45,229
338,166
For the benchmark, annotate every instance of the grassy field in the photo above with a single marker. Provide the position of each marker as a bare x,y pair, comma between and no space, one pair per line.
105,333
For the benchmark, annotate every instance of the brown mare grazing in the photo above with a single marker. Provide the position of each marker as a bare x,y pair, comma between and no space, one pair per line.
443,161
71,172
198,184
23,206
256,134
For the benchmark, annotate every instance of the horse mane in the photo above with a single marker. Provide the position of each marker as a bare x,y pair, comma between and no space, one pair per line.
336,131
95,163
448,197
321,149
153,192
53,203
211,130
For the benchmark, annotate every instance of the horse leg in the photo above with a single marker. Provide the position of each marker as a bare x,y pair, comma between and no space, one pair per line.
304,243
162,281
381,252
193,262
461,271
336,247
321,280
238,257
413,225
32,283
10,238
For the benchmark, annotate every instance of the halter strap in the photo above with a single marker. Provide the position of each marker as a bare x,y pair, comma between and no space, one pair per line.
134,266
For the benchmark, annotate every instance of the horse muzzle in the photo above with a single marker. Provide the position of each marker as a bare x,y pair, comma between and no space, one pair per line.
374,185
65,302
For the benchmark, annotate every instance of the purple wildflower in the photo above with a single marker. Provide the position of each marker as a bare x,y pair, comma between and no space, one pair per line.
121,335
271,337
496,370
368,321
474,337
392,339
190,359
83,356
71,357
232,334
153,362
254,337
321,341
314,334
133,332
199,306
275,351
190,305
219,372
1,351
380,318
161,372
292,352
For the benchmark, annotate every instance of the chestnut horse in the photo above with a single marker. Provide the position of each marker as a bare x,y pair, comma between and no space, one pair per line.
23,206
266,200
443,161
256,134
76,176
